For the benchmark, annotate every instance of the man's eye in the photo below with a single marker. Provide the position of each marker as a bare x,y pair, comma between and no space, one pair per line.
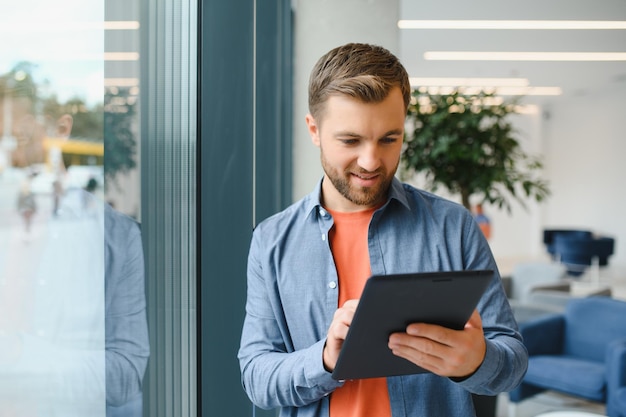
389,140
349,141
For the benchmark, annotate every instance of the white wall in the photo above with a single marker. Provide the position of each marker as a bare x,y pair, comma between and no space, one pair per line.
585,143
319,26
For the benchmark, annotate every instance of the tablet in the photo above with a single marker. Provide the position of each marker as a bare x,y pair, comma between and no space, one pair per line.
391,302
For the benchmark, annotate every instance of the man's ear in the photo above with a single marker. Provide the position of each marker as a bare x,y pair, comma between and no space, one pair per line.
314,130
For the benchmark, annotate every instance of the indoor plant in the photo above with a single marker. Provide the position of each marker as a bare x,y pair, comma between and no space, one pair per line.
467,144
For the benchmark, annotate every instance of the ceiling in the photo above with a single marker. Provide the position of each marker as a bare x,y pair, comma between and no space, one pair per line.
575,78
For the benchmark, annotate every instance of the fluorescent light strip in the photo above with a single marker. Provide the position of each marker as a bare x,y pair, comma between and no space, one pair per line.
513,24
121,25
529,91
121,56
121,82
477,82
532,109
497,91
523,56
51,56
56,27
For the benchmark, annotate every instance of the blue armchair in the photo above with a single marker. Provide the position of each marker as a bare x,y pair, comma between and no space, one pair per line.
616,405
581,352
549,236
578,253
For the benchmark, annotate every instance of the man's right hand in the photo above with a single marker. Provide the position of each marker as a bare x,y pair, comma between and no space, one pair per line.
337,333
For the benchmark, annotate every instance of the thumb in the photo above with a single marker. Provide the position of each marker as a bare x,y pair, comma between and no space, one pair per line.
474,321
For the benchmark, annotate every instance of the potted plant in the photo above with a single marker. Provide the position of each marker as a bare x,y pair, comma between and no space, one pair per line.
467,144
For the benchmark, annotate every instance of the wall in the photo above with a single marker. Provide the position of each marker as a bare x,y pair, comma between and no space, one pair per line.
320,25
585,149
581,142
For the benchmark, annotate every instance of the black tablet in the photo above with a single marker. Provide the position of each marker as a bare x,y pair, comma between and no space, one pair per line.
391,302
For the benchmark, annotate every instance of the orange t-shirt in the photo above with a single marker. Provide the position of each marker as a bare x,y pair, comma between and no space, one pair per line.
348,240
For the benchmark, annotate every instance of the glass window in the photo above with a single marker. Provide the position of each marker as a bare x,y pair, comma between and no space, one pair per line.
73,328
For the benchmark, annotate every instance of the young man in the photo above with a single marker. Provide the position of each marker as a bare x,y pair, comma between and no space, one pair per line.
308,264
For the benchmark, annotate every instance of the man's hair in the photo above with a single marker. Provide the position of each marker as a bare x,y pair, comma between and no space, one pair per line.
366,72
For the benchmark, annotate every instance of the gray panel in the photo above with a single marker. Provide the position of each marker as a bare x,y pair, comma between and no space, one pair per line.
245,172
168,172
225,185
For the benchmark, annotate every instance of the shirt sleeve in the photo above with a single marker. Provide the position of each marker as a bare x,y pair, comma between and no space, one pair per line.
273,374
506,357
127,343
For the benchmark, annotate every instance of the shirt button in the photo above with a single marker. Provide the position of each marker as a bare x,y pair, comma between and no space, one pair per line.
322,212
332,285
323,237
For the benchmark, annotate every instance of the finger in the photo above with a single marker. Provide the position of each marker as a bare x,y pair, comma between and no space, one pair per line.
422,352
351,304
433,332
475,321
337,333
345,313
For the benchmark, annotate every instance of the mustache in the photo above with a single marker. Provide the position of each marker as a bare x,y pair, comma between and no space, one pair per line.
358,170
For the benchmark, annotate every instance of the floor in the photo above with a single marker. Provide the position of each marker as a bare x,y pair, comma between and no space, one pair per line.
543,403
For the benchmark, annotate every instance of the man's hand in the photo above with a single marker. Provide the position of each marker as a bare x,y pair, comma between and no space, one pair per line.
337,333
445,352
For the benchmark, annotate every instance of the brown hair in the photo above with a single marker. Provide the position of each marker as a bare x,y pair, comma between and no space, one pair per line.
366,72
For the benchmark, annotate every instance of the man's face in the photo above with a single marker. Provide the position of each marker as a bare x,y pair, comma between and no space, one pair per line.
360,146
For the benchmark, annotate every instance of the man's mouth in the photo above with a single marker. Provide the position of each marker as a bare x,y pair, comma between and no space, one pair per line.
365,179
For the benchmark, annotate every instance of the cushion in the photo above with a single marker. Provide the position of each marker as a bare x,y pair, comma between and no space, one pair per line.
569,375
591,326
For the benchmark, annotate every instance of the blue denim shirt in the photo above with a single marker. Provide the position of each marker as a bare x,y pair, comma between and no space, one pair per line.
293,294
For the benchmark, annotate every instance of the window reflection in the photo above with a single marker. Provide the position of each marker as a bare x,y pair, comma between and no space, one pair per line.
73,331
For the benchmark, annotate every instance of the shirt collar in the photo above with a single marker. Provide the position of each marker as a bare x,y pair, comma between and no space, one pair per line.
398,192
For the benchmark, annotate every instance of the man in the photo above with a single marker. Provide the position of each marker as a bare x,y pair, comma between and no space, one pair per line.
308,264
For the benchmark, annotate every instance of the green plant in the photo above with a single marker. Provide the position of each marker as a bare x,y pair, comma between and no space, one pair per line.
467,144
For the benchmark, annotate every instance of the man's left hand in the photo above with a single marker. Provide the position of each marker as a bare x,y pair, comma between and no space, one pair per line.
443,351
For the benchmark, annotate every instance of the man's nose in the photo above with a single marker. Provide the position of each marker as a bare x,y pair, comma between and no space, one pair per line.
369,159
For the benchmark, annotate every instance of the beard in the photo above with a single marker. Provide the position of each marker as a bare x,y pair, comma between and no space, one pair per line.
362,196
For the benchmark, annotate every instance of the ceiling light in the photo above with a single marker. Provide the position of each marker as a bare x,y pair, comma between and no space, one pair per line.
55,27
527,109
523,56
529,91
496,91
512,24
121,56
121,25
121,82
473,82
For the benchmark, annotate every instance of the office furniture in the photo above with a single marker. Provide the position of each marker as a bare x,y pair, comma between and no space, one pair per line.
580,352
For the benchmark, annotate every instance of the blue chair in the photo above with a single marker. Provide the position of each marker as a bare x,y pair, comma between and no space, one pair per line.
549,236
581,352
578,253
616,405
